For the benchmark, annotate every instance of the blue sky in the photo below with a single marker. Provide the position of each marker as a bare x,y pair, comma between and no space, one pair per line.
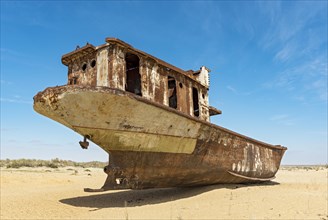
268,62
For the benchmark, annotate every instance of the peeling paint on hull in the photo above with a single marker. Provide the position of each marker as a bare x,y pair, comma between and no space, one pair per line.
152,145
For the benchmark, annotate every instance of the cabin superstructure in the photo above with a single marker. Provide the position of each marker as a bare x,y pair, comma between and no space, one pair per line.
118,65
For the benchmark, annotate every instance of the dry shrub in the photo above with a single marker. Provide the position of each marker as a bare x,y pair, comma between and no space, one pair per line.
54,163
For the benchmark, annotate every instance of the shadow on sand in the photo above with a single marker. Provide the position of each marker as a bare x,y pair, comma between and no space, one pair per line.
134,198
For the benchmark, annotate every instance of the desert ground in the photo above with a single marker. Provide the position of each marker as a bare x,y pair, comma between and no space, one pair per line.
57,193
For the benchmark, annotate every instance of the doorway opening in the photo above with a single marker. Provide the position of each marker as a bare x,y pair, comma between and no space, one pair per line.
172,89
133,77
195,101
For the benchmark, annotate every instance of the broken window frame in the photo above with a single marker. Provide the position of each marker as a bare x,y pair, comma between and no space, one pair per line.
72,80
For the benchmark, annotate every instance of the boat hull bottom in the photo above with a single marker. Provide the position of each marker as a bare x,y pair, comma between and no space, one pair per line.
137,174
114,183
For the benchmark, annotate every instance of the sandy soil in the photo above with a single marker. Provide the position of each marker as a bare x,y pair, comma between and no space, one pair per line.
45,193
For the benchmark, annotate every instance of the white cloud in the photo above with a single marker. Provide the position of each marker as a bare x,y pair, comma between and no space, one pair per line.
320,88
236,92
278,117
297,41
283,119
307,80
293,32
270,8
4,82
285,53
9,52
232,89
19,101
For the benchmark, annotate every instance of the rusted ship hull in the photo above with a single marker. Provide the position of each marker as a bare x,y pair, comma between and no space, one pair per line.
152,145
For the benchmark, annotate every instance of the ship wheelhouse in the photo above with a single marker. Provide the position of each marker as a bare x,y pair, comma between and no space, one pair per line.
118,65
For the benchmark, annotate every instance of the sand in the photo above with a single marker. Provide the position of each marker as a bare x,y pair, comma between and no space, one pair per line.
45,193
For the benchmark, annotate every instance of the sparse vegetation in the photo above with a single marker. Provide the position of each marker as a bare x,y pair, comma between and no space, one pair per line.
303,167
54,163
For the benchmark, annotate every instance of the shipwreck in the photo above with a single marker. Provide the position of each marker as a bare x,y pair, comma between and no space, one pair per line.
153,119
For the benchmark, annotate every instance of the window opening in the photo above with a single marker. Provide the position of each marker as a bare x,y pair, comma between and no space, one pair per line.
172,89
93,63
84,67
73,81
133,77
195,101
